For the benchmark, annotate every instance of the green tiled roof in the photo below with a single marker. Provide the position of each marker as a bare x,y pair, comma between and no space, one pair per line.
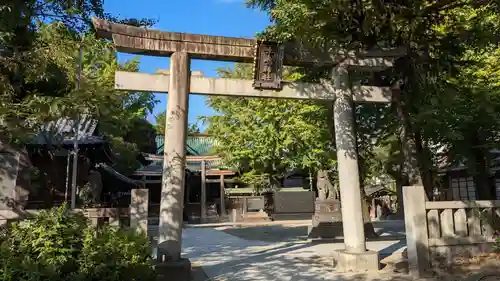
196,145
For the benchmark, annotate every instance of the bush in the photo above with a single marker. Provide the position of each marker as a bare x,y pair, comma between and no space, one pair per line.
59,245
496,245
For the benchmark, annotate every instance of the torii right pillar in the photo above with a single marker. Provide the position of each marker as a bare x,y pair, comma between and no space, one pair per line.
355,256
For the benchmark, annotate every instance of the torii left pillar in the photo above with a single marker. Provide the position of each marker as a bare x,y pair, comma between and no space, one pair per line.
171,265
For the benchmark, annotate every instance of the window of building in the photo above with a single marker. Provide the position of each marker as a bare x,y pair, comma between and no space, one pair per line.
497,188
463,188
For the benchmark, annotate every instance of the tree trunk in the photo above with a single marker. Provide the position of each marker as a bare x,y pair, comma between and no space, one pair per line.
368,225
424,164
394,167
479,159
410,167
399,195
400,104
404,106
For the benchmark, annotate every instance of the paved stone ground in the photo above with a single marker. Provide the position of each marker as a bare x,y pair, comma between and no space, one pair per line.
227,253
297,230
227,257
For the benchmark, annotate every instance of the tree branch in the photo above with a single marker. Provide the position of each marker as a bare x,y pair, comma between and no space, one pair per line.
443,5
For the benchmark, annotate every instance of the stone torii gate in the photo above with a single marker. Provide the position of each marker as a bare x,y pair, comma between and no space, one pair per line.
180,83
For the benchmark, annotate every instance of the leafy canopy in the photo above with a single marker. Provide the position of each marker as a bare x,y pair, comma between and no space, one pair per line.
161,120
268,137
449,93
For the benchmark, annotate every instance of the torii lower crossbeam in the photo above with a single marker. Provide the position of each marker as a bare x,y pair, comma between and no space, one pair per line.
160,83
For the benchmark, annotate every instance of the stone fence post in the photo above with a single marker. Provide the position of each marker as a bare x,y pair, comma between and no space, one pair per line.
139,210
417,238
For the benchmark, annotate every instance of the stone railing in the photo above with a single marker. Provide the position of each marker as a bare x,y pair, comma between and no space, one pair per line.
440,232
135,217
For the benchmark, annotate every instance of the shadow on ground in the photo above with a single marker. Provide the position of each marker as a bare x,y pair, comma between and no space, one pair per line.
387,230
216,255
227,257
268,233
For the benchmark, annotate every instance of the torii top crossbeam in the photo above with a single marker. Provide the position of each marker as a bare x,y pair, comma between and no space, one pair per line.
139,40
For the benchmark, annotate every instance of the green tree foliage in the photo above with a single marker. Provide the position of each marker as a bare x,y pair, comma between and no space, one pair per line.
33,66
496,246
39,50
59,245
304,139
160,121
448,76
268,137
121,115
143,134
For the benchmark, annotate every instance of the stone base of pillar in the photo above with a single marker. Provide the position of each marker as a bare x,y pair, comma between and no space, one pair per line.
173,270
326,221
356,262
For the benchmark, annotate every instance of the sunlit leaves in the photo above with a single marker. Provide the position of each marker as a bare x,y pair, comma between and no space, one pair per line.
450,75
268,137
161,120
55,59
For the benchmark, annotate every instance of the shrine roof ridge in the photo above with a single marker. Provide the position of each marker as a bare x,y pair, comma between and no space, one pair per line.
141,40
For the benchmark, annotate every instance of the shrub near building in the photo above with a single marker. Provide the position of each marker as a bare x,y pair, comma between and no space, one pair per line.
59,245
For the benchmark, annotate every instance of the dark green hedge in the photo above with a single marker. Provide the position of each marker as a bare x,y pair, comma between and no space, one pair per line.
59,245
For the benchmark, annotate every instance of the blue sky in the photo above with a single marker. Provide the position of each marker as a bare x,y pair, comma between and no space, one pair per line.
212,17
